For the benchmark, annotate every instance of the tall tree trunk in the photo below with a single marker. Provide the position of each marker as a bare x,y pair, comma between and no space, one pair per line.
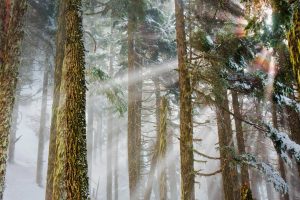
99,134
163,148
186,125
11,35
229,174
90,134
13,130
71,155
116,161
60,42
280,161
150,181
172,169
134,103
109,144
41,144
293,40
240,139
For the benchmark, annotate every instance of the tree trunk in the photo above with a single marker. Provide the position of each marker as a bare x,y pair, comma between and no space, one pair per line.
162,148
116,166
172,169
186,125
41,144
240,139
99,134
60,41
13,130
109,144
11,35
90,134
293,40
134,105
71,155
229,173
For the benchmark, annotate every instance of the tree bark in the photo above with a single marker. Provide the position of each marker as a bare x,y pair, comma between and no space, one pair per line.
163,148
293,44
186,126
240,139
134,104
71,155
11,35
229,173
41,144
13,130
60,42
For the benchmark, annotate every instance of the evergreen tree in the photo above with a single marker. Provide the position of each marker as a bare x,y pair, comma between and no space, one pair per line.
70,167
11,35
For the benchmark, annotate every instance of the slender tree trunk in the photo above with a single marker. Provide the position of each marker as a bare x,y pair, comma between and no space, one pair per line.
71,155
100,134
60,41
172,169
240,139
11,35
109,144
229,173
163,148
41,144
116,160
150,181
90,134
186,126
280,161
13,130
134,105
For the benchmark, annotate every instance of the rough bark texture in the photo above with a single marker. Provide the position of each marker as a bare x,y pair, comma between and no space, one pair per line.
60,41
13,129
71,156
240,140
11,34
134,105
163,148
41,144
294,45
186,126
229,173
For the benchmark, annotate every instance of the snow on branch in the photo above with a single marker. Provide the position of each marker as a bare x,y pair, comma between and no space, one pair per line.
271,174
283,100
283,144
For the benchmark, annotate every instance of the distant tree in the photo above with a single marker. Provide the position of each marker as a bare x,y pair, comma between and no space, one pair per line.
135,12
